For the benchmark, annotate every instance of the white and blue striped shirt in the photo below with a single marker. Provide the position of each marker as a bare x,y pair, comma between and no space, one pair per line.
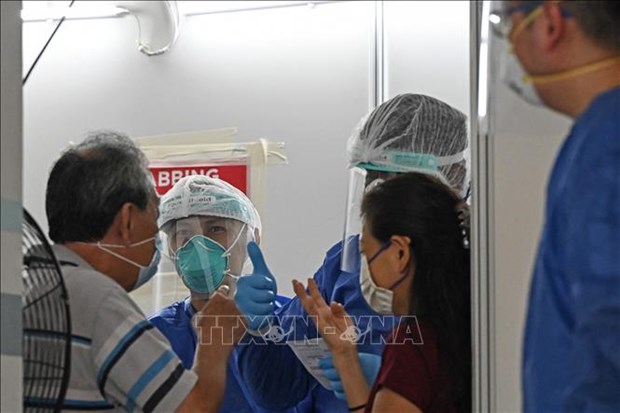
119,362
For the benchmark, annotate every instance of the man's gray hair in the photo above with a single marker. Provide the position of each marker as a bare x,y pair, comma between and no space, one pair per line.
89,184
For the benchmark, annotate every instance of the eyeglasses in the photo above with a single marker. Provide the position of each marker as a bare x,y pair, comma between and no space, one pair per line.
502,23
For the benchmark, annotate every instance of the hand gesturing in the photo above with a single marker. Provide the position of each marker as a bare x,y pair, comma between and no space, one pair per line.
333,323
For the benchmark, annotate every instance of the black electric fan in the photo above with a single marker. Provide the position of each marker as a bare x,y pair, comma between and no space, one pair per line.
46,345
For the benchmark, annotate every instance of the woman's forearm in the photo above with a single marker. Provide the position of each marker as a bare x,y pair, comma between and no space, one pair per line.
353,380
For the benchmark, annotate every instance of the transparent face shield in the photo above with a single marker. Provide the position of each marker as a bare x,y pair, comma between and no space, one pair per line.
207,251
350,261
394,162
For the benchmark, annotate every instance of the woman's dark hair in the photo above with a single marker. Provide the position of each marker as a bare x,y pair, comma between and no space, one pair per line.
425,210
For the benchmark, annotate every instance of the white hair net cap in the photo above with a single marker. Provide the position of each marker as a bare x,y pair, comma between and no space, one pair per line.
413,133
205,196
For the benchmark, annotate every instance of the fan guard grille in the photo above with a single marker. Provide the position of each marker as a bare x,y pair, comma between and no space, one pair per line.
46,345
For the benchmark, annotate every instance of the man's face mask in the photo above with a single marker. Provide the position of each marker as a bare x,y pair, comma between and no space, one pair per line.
513,76
146,271
202,263
512,72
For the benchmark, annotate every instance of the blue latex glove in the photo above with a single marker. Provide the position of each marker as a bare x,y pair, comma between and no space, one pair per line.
369,362
256,293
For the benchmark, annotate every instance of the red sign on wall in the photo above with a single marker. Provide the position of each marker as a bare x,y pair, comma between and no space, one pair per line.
167,176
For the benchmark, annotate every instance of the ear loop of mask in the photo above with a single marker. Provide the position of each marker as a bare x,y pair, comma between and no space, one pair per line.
100,244
383,248
578,71
233,276
401,279
106,248
226,252
526,22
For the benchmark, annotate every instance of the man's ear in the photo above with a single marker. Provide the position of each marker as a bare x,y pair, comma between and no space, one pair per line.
555,25
126,222
403,251
257,236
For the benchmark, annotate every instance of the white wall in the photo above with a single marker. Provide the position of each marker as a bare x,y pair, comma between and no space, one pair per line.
297,75
11,207
427,50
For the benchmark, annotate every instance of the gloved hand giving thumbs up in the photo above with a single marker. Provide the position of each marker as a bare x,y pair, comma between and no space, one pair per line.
256,293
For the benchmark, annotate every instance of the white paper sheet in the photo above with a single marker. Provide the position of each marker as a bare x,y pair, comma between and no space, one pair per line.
309,352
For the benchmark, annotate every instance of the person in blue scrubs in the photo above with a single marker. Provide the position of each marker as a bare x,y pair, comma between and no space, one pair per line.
570,52
409,132
206,225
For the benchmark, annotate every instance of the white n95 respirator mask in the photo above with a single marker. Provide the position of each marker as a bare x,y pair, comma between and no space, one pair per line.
514,76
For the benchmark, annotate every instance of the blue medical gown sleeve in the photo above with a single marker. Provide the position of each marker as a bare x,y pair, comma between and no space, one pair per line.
593,268
270,370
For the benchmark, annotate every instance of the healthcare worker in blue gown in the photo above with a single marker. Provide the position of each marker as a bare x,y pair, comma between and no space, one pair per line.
206,225
407,133
570,54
